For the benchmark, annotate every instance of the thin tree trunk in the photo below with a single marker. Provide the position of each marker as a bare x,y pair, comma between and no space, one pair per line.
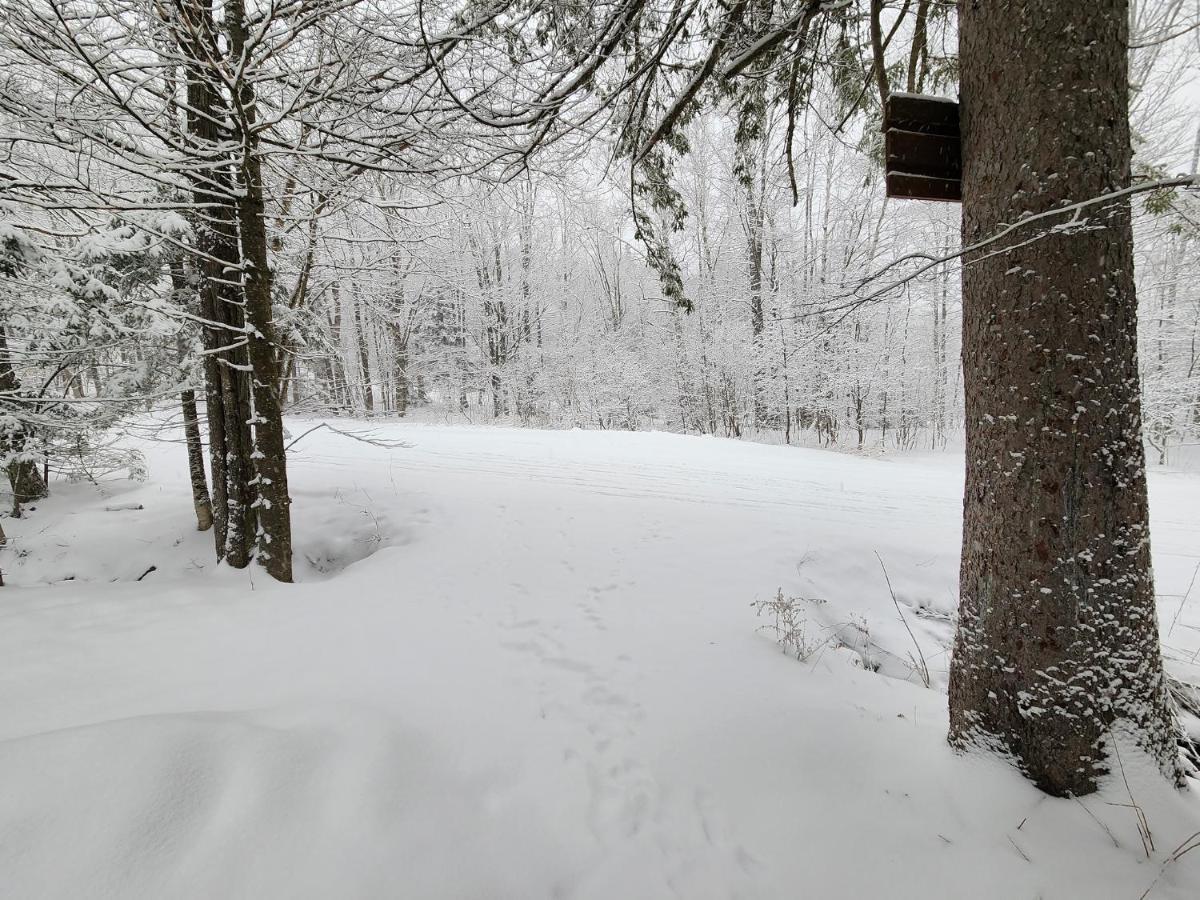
879,66
401,379
195,451
364,356
1057,652
940,357
918,53
26,481
201,502
754,252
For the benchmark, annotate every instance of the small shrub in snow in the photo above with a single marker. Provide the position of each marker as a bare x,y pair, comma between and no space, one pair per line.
788,623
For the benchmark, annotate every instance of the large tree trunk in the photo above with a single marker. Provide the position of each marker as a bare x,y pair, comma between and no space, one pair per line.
227,392
273,543
234,386
1057,649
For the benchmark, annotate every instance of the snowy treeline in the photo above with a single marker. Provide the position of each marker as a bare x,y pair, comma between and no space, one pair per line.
407,277
532,301
1169,329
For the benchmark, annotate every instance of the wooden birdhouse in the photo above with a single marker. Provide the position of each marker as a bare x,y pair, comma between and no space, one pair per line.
922,148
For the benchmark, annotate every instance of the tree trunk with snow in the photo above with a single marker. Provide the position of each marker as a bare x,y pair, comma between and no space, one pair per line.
401,379
195,450
364,353
24,478
227,392
273,540
184,295
1057,648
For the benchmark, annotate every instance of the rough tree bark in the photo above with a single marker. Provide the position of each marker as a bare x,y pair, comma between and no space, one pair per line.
273,541
227,390
201,501
1057,649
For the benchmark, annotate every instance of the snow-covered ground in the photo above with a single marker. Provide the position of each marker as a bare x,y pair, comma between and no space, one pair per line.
526,664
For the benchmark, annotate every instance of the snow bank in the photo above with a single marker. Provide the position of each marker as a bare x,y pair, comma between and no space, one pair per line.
525,664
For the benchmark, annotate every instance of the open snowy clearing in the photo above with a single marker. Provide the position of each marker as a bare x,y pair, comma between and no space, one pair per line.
525,664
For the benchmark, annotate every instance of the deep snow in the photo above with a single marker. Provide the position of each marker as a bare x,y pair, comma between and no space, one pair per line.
524,664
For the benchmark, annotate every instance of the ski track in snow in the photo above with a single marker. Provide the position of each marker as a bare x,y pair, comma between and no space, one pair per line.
523,664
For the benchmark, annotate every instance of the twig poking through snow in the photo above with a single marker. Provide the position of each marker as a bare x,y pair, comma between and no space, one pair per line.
1019,850
1189,843
1183,600
919,664
1143,823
